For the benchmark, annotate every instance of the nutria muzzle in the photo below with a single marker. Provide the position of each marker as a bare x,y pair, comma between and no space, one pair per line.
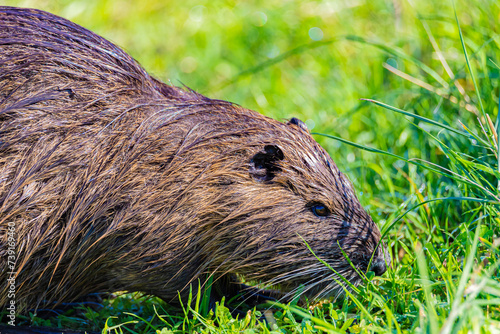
379,266
114,181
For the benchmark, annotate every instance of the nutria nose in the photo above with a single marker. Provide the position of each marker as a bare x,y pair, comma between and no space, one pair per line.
378,266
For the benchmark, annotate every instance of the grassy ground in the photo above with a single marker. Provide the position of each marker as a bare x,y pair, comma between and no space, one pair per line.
424,162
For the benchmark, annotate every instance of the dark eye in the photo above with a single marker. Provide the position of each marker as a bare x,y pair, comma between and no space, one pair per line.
319,210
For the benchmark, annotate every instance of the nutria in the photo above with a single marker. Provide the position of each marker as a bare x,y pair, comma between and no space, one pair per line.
111,180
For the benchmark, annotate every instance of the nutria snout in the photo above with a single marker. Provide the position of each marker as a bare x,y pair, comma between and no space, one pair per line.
113,181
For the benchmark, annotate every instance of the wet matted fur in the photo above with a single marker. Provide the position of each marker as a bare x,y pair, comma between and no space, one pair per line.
114,180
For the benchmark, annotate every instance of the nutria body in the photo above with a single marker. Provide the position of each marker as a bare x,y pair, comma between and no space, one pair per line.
112,180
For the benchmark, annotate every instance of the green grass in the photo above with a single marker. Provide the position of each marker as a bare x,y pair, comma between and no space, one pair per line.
421,150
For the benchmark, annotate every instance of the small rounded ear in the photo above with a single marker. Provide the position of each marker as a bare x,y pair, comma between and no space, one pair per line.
263,165
297,122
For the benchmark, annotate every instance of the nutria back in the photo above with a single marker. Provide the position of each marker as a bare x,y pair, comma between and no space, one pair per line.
112,180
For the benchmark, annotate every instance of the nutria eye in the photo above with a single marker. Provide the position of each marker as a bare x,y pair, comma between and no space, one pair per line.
319,210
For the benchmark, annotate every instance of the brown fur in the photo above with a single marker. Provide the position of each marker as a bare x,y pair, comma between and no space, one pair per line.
116,181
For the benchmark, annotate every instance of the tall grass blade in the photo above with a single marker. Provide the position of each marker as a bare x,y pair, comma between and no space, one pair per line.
455,308
468,62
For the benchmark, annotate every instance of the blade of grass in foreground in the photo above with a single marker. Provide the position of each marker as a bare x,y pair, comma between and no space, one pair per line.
387,228
468,63
447,328
354,299
329,267
424,275
427,120
411,161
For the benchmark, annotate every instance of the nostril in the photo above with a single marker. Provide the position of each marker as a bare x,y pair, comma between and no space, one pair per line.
378,267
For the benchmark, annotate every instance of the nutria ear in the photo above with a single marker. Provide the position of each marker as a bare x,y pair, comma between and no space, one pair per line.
263,165
297,122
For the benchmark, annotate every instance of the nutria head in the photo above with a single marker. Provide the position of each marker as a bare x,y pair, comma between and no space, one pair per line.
245,194
116,181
